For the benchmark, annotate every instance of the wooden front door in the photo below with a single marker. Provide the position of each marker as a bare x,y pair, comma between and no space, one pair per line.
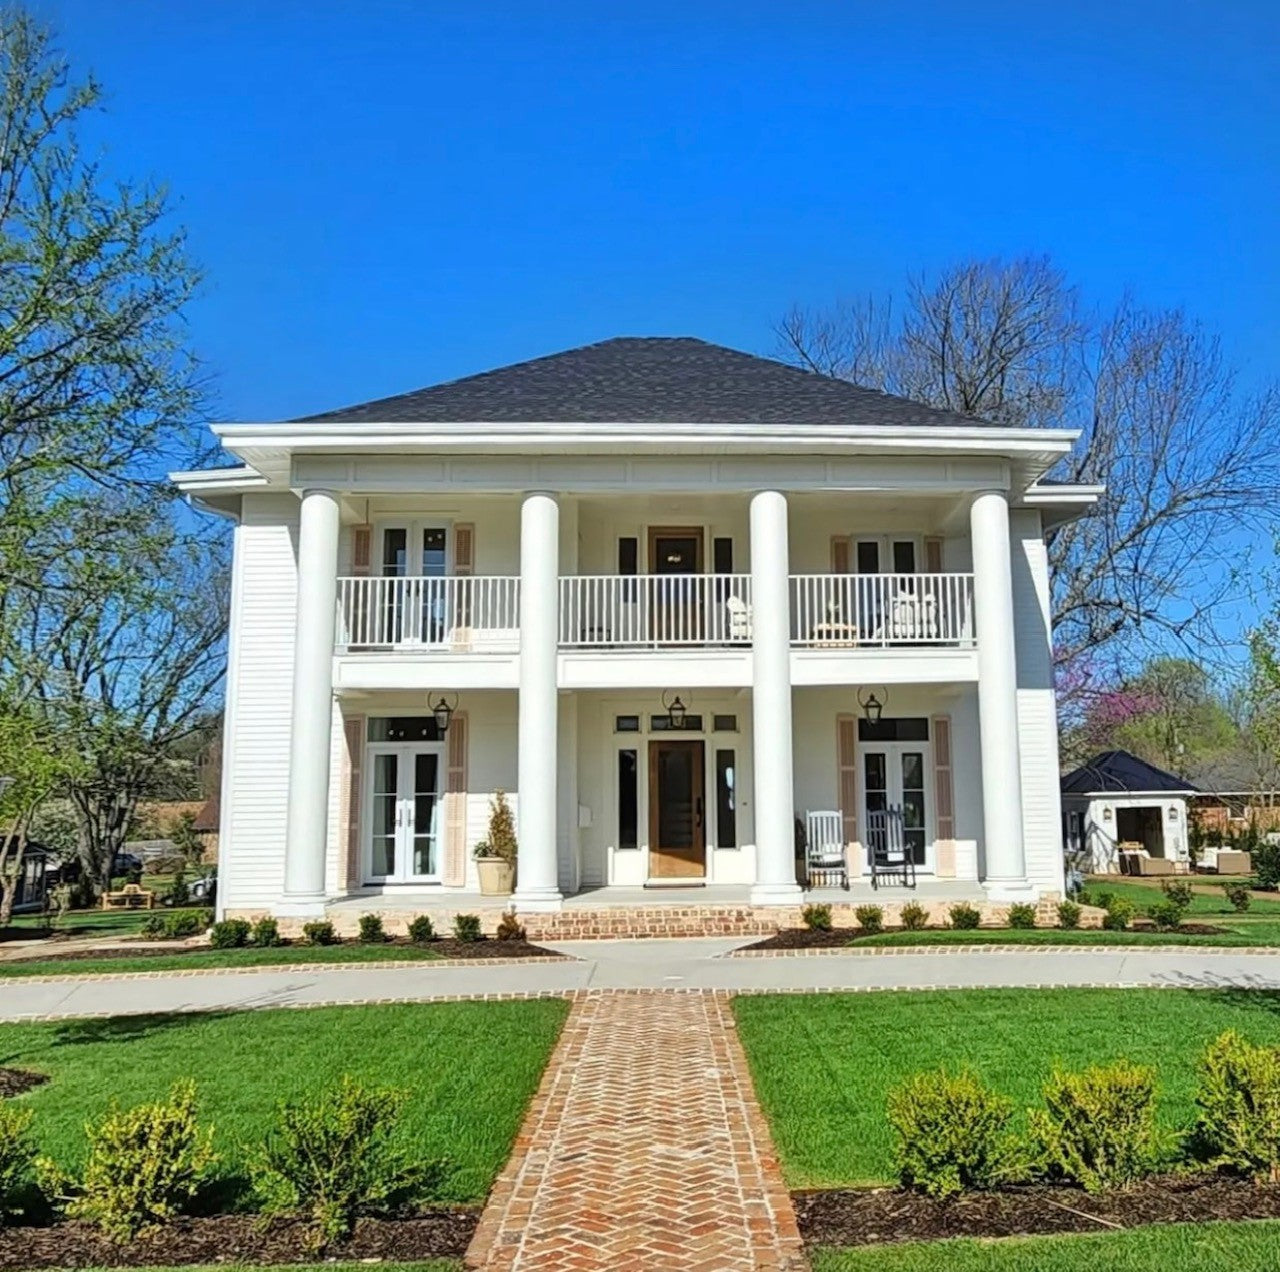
677,826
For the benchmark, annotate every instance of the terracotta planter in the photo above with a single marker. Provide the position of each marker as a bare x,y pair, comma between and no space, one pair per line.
497,876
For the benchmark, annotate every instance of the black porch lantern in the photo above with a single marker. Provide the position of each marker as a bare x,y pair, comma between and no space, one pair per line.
443,713
872,707
676,711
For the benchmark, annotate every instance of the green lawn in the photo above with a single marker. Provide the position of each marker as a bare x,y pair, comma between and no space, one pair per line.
1213,902
469,1070
246,957
84,923
1242,931
1209,1247
823,1064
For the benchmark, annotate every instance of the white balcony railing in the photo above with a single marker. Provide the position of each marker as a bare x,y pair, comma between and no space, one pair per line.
480,613
844,611
654,611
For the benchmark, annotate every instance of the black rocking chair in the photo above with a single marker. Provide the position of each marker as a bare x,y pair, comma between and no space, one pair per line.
887,847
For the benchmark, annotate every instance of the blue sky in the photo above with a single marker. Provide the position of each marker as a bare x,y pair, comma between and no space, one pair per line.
385,194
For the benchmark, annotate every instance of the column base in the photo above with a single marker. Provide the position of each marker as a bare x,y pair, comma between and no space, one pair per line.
538,901
301,906
775,894
1011,892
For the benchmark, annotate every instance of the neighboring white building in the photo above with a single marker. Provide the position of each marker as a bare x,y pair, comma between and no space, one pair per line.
1116,799
560,548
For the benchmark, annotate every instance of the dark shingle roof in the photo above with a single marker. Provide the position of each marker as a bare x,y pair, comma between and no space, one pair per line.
1120,771
648,380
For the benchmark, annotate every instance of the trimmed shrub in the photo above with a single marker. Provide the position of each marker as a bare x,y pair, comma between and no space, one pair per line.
330,1160
176,925
1266,865
421,929
870,919
371,930
952,1134
319,932
1119,914
1179,891
914,916
1239,896
964,917
1098,1128
1239,1101
266,933
17,1153
509,928
466,927
179,892
1166,915
230,934
1068,914
817,918
1022,916
145,1165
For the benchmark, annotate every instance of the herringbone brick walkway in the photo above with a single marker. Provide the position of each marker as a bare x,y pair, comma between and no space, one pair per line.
644,1151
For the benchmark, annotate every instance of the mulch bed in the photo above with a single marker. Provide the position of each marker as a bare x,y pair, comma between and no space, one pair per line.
807,938
17,1081
446,947
443,1233
858,1217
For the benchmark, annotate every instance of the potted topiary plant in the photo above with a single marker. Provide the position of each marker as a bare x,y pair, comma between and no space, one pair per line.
496,854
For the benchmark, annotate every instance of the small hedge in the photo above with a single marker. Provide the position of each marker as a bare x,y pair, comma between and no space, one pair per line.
1239,1101
1022,916
1098,1127
1068,914
466,927
230,934
870,919
17,1154
914,916
1119,914
371,930
952,1134
319,932
266,933
509,928
421,929
817,918
964,917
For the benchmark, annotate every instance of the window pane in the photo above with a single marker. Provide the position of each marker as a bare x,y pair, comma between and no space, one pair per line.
904,729
726,800
383,829
626,724
912,771
628,555
403,729
722,556
662,724
395,552
725,723
874,770
426,777
904,557
868,556
433,554
627,800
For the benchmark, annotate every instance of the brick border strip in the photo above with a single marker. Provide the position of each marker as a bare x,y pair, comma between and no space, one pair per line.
377,965
996,947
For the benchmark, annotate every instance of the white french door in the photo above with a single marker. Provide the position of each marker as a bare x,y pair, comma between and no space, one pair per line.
418,552
403,812
896,775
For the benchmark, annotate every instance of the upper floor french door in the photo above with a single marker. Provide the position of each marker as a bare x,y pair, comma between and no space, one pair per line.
417,551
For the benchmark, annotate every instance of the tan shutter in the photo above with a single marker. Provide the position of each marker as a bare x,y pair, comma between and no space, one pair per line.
841,554
361,549
944,799
455,816
352,789
847,774
464,548
933,556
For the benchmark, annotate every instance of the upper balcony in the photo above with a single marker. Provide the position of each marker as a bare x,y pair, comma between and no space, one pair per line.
612,613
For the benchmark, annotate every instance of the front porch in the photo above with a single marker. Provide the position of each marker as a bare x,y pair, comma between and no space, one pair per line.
627,913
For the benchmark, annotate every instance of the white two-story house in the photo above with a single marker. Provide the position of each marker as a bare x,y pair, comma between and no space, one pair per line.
670,598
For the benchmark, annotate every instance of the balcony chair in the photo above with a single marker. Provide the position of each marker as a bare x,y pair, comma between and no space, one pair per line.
910,618
887,850
825,861
739,612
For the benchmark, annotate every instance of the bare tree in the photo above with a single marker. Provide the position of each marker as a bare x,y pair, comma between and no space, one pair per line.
1191,465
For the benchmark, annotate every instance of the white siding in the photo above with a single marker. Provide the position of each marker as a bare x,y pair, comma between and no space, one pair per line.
256,782
1037,706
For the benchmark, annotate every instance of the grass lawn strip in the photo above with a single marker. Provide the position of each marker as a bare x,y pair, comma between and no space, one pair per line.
469,1070
1243,933
823,1064
1212,902
1210,1247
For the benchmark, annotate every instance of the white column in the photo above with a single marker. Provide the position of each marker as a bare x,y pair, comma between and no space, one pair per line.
307,831
1006,869
771,702
537,883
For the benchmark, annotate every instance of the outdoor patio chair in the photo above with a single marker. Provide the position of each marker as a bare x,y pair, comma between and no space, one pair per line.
739,612
887,850
825,861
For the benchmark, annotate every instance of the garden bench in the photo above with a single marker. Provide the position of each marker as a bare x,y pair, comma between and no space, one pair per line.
131,897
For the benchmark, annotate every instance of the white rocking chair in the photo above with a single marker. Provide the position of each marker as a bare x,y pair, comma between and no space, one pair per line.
825,861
